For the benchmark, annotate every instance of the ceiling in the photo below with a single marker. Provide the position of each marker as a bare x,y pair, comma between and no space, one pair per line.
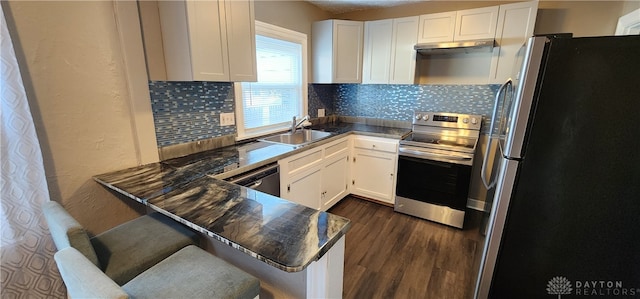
344,6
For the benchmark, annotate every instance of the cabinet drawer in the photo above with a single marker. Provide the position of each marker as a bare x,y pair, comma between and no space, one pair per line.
297,163
376,144
335,148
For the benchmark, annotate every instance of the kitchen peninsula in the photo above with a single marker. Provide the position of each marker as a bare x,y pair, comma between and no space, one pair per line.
296,251
293,240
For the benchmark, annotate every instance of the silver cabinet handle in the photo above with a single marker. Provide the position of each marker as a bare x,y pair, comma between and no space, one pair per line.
425,154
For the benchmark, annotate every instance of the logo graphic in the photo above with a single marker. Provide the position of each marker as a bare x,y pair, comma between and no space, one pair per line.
559,285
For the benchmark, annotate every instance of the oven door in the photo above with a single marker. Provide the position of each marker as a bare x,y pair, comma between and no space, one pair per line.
432,190
435,182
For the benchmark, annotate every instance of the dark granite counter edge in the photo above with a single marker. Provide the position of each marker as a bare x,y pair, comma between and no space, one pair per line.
123,192
255,255
324,249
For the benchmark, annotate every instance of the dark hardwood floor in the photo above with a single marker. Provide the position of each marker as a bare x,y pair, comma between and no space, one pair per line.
393,255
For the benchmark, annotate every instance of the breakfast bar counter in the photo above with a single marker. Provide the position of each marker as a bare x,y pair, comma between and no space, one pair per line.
282,234
294,250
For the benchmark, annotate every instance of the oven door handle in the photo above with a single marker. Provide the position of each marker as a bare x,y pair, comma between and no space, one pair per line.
425,154
483,174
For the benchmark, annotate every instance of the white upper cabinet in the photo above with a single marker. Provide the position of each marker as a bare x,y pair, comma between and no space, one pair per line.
389,56
377,51
208,40
403,55
337,51
477,23
241,40
437,27
469,24
515,26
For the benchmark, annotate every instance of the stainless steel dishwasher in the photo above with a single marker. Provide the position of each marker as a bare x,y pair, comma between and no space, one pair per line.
264,179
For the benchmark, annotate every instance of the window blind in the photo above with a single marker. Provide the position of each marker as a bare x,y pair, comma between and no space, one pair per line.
276,97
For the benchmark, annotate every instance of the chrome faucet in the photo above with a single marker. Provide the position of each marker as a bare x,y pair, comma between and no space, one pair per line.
295,125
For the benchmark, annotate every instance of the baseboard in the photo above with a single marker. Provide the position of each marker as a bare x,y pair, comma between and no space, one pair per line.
371,200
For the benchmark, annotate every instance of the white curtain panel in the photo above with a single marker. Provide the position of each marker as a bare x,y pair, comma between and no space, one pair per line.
26,252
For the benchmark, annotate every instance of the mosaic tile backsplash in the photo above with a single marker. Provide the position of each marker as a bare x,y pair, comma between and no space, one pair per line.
190,111
397,102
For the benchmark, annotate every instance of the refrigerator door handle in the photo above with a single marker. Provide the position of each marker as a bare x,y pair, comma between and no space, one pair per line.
492,182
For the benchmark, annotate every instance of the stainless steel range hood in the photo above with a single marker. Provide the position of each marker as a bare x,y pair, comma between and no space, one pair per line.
483,45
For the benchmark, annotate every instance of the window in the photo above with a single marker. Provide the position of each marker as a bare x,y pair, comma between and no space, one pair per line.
268,105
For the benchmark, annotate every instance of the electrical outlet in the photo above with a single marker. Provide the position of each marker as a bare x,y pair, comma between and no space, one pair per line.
227,119
320,112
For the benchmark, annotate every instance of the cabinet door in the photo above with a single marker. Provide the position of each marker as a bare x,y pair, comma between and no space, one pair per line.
194,40
305,188
335,180
337,51
207,41
515,26
403,56
301,178
241,40
437,27
377,51
373,174
479,23
347,51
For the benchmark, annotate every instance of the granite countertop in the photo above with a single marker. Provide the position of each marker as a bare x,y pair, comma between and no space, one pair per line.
233,160
281,233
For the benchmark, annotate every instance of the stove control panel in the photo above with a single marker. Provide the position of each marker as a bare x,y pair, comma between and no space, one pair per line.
447,120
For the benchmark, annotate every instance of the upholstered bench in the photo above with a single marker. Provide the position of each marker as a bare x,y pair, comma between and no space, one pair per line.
124,251
188,273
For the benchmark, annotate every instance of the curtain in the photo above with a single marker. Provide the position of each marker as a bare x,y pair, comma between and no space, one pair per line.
27,266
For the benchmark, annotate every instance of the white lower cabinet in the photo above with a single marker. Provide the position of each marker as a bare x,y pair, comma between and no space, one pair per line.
305,188
320,177
317,178
335,173
373,171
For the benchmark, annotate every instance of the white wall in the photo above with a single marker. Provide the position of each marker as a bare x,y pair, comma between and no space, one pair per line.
629,6
72,65
582,18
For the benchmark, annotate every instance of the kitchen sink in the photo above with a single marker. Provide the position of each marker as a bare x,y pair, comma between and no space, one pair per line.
299,138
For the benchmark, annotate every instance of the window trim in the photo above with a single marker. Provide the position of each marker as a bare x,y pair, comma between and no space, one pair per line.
277,32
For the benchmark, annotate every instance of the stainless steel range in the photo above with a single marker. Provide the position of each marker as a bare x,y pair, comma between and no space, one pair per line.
434,166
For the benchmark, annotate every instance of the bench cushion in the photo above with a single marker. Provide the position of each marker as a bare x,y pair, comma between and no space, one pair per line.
133,247
84,279
205,275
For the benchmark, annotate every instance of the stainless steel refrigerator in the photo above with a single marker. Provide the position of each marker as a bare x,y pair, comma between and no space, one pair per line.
565,181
